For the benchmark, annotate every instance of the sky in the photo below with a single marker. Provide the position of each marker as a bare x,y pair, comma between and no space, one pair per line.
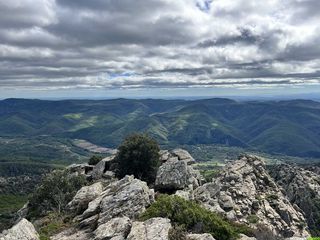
159,48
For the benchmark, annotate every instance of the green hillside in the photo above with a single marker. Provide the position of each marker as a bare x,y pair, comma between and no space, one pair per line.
282,127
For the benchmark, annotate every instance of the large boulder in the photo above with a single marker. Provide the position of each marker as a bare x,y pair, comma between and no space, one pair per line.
183,155
109,211
128,197
176,175
115,228
23,230
244,192
85,195
152,229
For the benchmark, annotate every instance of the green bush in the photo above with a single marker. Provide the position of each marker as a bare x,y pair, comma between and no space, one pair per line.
56,190
9,205
253,219
138,155
192,217
271,197
94,160
209,174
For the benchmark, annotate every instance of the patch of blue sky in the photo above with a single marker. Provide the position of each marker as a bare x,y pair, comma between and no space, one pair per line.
204,5
120,75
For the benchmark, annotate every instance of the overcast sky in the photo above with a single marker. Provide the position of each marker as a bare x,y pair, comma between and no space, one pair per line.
101,48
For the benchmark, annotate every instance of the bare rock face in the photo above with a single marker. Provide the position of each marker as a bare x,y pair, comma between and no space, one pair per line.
177,154
101,167
244,237
205,236
84,196
244,192
115,228
176,175
128,197
152,229
23,230
302,187
165,155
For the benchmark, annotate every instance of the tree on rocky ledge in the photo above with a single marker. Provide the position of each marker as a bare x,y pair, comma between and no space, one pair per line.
138,155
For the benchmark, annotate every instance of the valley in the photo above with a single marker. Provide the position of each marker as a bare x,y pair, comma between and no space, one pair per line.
274,127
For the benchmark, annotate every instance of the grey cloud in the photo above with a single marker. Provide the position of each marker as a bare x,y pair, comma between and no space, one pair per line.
182,43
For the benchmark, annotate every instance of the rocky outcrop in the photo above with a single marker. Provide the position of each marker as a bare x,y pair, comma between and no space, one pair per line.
110,211
177,154
175,175
23,230
101,167
183,155
116,228
244,192
127,197
94,172
80,169
302,187
152,229
84,196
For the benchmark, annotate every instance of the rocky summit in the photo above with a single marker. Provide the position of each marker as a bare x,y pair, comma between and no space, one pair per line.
302,187
244,192
275,201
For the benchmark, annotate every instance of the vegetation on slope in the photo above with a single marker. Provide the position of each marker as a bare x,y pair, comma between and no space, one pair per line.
9,205
192,217
274,127
56,190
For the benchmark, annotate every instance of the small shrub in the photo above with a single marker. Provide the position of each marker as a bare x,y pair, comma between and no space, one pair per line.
271,197
56,190
138,155
94,160
209,174
192,217
302,225
253,219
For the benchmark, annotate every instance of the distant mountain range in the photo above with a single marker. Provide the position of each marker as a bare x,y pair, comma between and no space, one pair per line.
287,127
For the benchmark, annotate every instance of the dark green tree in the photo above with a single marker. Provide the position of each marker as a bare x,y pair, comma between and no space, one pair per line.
94,160
138,155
